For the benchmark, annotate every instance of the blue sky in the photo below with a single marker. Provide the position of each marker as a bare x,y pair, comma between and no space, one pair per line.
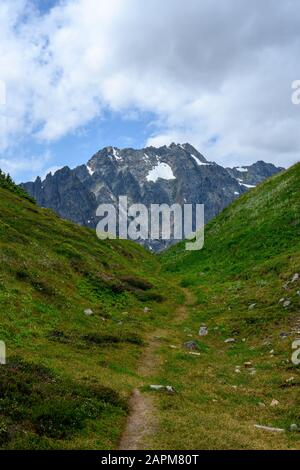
92,73
78,147
44,5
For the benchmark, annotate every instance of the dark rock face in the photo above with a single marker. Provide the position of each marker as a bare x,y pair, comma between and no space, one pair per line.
253,174
66,195
173,174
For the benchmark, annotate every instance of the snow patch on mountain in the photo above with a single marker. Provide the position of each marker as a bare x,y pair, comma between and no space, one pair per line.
163,171
116,154
91,172
248,185
198,161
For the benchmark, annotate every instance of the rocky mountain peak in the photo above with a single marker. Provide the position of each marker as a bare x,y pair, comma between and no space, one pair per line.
168,174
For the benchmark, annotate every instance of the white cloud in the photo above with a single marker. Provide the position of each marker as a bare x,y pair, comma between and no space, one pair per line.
216,74
30,166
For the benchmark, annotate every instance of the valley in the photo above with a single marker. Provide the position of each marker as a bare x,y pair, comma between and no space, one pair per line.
109,346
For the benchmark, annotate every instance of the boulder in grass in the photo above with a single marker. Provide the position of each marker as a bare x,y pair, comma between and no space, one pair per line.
229,340
283,335
274,402
191,346
167,388
157,387
268,428
88,312
203,331
248,364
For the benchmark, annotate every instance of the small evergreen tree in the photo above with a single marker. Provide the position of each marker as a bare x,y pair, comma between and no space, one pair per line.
6,182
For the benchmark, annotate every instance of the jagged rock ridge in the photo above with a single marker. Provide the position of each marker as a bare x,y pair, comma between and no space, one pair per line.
176,173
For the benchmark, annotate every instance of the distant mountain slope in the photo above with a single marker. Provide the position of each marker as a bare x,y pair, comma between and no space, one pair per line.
177,173
73,321
252,175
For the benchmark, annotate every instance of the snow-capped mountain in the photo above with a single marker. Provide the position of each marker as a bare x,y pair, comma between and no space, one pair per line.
176,173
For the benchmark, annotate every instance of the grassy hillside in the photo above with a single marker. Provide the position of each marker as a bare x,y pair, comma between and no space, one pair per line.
69,375
260,225
251,254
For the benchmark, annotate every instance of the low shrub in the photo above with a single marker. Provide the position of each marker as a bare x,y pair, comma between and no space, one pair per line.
58,419
35,401
137,283
149,297
101,339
